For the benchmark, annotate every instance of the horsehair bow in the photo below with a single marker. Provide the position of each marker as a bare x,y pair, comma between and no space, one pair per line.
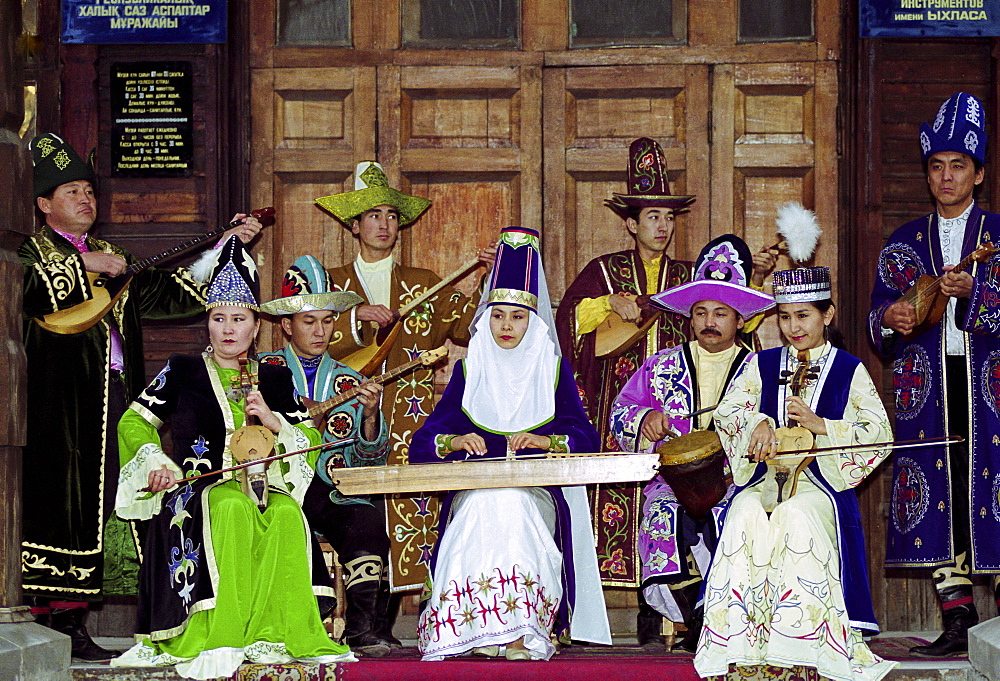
894,444
323,445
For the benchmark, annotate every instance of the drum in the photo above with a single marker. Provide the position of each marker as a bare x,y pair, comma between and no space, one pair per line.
694,467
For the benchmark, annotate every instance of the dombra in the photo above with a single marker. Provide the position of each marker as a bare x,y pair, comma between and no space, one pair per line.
694,467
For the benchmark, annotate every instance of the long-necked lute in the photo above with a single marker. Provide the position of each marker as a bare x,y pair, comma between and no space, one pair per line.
369,358
925,295
319,410
107,290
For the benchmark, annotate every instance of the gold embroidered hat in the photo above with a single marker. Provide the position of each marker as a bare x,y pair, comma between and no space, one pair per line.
371,189
56,163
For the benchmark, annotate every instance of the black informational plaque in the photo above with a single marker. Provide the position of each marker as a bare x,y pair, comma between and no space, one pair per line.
151,109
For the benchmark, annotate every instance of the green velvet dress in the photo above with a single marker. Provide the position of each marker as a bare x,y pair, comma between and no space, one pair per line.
221,582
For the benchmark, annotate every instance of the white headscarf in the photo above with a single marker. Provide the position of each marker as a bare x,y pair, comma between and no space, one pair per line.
511,391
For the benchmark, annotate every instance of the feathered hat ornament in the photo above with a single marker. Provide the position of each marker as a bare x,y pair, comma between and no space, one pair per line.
800,230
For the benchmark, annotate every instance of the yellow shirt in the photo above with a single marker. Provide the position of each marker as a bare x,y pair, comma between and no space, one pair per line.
591,312
712,368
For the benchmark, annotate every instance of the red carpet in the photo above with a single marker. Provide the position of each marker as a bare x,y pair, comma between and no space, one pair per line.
577,663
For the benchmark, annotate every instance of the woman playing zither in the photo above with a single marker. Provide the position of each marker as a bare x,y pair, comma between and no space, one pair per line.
244,588
528,550
791,588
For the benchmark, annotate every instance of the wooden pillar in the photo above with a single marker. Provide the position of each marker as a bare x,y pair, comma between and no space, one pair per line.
15,205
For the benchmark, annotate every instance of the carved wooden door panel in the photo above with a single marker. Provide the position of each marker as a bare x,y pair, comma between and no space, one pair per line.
774,140
591,115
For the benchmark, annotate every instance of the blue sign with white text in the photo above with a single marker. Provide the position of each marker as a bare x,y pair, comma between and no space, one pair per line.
928,18
143,21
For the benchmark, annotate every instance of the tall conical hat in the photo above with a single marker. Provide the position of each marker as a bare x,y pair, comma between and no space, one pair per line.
959,126
514,279
371,189
234,278
306,287
722,273
56,163
647,181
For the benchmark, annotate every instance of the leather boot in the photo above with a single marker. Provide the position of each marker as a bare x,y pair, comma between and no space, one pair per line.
959,613
687,600
70,622
361,595
386,609
648,625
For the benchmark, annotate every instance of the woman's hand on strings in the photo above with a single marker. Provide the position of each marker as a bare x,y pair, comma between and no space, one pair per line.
256,406
472,443
161,479
763,443
799,411
519,441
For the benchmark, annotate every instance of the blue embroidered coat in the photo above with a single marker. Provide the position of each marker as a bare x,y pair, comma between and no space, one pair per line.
330,379
919,532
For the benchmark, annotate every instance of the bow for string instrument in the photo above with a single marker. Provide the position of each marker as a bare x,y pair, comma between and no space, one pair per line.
928,302
251,443
782,477
107,290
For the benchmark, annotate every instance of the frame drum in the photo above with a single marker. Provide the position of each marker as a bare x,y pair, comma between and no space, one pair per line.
694,467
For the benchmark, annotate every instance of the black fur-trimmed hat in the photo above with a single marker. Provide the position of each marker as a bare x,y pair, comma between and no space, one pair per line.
56,163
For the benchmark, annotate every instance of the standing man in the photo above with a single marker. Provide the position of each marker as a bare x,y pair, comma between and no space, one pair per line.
353,526
374,212
676,548
79,384
945,376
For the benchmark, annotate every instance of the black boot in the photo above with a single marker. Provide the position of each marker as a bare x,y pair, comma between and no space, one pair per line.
687,601
385,614
70,622
648,625
959,613
361,594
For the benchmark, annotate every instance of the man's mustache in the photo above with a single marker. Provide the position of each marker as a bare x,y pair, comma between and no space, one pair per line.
709,332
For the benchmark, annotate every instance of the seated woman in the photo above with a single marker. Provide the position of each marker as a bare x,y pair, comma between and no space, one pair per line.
788,586
511,565
221,581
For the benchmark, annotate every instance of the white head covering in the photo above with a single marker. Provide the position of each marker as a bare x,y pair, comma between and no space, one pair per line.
511,391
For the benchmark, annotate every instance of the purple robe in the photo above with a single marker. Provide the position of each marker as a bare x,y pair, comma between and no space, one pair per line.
666,382
600,380
920,527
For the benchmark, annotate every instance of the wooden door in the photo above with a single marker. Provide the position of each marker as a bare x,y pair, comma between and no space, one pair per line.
311,126
774,140
592,115
469,139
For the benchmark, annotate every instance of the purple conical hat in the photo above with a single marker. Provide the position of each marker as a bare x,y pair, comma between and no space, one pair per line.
721,273
514,279
647,185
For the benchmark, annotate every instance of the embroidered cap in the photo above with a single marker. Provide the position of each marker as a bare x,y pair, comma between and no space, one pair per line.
56,163
721,273
306,288
514,279
647,185
371,189
234,278
959,126
802,285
